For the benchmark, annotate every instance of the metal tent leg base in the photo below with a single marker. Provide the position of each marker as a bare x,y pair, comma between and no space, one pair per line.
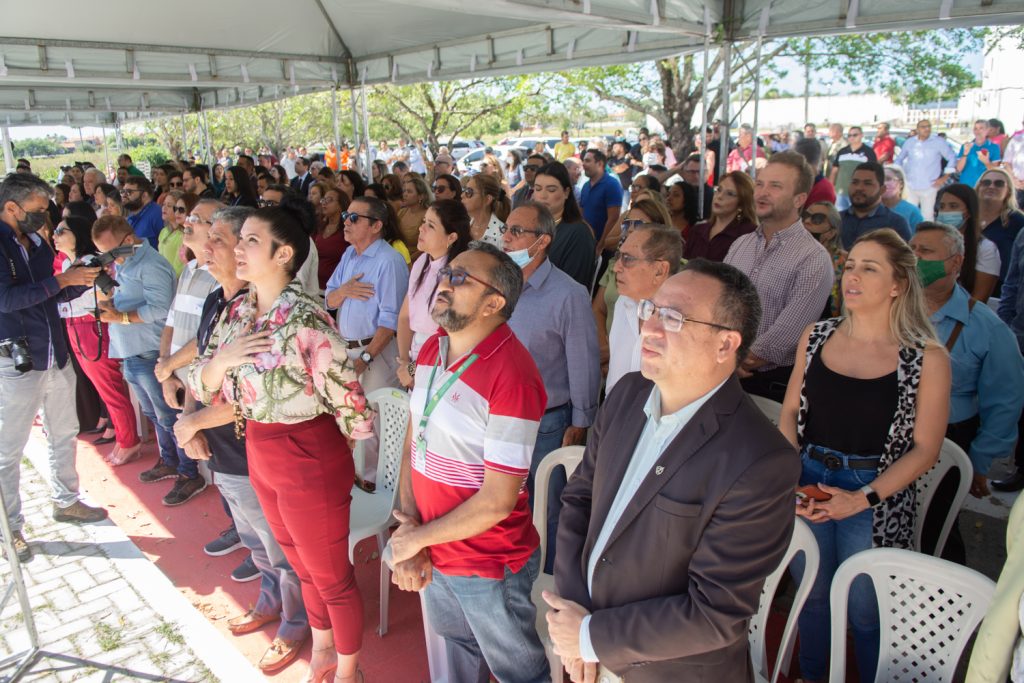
21,661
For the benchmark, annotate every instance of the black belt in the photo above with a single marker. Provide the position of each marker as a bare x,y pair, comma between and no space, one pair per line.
551,410
835,462
357,343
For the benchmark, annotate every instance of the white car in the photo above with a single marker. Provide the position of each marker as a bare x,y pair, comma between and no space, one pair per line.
469,164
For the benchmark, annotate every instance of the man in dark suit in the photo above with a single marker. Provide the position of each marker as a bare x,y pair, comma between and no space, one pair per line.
683,503
303,178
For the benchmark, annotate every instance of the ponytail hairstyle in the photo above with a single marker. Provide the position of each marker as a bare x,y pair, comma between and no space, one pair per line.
286,229
909,323
454,219
488,185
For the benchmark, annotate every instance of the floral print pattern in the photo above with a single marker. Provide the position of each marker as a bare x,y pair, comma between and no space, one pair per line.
305,374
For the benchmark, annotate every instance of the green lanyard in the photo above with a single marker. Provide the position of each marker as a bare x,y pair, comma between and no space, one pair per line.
428,409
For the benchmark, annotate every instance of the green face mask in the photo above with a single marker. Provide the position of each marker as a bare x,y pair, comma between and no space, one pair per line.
930,271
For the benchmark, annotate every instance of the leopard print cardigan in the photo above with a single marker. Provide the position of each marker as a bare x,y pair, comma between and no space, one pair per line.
893,522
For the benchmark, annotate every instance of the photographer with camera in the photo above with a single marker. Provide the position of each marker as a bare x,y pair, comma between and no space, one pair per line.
136,312
35,372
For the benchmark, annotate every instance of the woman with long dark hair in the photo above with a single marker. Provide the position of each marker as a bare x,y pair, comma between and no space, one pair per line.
443,235
447,186
238,188
329,237
574,247
90,343
351,183
958,206
278,359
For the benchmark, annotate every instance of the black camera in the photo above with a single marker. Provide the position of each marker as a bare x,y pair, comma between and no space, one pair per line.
16,349
106,283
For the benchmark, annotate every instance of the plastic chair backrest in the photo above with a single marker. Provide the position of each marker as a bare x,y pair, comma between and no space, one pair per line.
568,457
950,456
771,409
392,405
928,610
802,542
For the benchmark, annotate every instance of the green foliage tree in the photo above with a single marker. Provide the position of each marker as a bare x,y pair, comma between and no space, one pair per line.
39,147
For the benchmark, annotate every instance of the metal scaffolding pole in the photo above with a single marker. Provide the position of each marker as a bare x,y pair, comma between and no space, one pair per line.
757,85
702,136
184,138
723,149
368,166
21,661
336,122
106,155
356,130
8,150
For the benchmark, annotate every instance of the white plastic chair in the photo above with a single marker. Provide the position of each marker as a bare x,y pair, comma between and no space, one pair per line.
803,541
950,456
928,609
568,457
771,409
371,512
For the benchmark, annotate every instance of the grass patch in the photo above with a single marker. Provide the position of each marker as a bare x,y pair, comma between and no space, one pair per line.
170,633
108,637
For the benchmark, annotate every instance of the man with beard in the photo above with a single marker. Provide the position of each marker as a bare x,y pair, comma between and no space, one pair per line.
144,215
866,212
466,534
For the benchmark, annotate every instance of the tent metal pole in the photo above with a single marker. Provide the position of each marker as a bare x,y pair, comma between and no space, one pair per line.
336,121
723,143
702,135
106,154
184,137
8,150
356,130
118,137
757,85
368,167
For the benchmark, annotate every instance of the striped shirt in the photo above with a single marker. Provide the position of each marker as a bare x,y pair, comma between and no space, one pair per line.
793,274
488,419
194,285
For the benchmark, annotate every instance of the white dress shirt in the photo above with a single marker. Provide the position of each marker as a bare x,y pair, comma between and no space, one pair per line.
658,433
623,342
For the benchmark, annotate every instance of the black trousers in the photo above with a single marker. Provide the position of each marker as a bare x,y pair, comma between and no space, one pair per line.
962,434
770,383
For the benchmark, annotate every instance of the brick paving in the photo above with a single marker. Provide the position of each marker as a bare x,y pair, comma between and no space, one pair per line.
100,614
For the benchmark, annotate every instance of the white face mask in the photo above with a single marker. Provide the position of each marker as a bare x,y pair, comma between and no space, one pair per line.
521,257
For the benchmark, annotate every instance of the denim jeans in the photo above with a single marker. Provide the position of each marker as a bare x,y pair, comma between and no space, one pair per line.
138,372
489,624
837,541
21,397
549,437
280,590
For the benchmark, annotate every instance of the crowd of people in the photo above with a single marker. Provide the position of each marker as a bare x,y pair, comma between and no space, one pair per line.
606,295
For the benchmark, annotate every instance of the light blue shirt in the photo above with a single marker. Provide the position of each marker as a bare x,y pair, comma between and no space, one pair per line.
922,160
974,167
658,433
910,213
147,287
988,376
385,269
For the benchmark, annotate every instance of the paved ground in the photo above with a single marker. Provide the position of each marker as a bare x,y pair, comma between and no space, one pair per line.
102,611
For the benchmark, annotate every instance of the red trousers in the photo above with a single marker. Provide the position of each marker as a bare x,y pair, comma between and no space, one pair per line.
303,475
105,375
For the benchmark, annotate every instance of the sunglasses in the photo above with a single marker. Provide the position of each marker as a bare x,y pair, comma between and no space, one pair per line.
439,188
177,183
992,182
517,231
180,209
352,217
814,218
458,277
531,168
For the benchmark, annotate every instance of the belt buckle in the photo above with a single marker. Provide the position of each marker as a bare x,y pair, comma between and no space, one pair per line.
833,462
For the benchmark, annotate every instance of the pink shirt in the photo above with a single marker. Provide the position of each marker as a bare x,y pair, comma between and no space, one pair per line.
421,297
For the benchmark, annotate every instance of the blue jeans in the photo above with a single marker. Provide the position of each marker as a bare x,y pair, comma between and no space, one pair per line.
549,437
138,372
489,624
280,590
837,541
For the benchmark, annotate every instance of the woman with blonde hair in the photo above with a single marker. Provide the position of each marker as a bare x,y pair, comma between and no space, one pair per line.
416,197
999,217
488,207
490,165
732,216
867,406
892,196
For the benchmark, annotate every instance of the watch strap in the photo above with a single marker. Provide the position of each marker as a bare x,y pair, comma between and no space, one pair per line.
871,495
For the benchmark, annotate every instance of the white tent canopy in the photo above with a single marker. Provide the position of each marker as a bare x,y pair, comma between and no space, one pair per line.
79,64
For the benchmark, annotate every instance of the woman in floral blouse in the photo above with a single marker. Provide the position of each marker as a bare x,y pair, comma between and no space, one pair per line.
276,357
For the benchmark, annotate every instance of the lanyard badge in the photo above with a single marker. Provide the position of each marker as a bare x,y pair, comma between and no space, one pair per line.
432,401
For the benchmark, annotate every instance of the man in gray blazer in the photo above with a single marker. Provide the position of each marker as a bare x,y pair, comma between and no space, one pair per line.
684,501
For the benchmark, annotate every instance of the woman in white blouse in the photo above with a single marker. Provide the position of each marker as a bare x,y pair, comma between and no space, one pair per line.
488,207
958,206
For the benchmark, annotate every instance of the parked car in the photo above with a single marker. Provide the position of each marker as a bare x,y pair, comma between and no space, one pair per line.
469,163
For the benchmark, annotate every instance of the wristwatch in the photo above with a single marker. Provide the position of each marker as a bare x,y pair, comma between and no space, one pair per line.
366,357
411,368
125,320
871,495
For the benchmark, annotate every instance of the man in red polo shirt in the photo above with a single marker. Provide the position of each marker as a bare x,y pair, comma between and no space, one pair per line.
885,145
467,537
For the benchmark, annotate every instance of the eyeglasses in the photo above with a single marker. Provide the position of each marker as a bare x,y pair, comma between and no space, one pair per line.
628,260
128,193
60,230
468,192
195,220
814,218
326,200
352,217
264,203
440,188
725,193
517,231
177,183
671,319
180,209
531,168
458,277
992,182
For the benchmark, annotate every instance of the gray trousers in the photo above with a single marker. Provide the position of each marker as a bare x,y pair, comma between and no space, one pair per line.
280,592
21,398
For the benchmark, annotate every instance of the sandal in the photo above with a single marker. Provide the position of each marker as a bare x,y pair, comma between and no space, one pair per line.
134,454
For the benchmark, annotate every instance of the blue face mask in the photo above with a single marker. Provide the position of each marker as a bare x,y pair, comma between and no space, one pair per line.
954,218
521,257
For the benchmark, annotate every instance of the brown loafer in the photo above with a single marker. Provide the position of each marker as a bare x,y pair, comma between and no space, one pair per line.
280,654
250,621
